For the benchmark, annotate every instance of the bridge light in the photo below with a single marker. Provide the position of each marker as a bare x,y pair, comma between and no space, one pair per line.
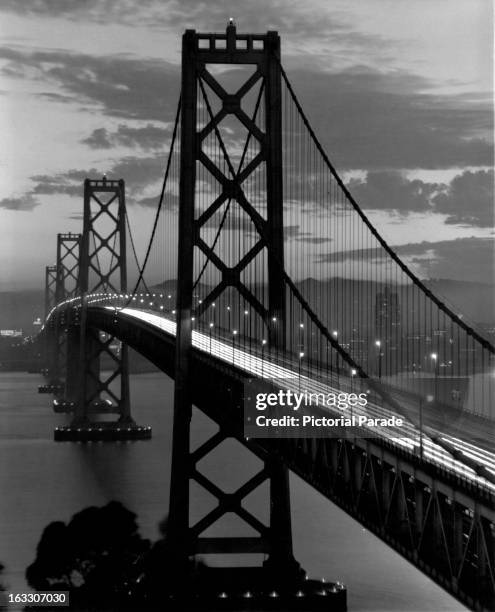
335,333
173,311
301,355
274,319
353,372
228,307
161,307
434,356
378,343
301,325
246,312
213,305
211,325
193,318
263,342
200,301
234,332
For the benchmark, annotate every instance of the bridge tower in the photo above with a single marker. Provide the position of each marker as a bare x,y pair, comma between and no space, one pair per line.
49,346
66,288
101,274
260,52
61,283
50,288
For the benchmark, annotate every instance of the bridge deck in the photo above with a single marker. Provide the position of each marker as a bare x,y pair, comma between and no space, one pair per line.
287,376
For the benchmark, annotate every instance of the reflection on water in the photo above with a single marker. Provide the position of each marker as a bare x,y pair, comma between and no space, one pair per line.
41,482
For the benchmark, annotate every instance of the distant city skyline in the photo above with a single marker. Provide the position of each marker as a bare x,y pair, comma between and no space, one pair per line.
400,94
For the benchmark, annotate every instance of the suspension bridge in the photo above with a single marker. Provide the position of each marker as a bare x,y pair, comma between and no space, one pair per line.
277,280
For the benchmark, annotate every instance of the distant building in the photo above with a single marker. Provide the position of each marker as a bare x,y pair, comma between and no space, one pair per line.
11,333
388,331
387,317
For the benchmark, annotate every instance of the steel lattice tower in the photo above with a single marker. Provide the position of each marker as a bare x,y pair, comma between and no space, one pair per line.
198,52
102,269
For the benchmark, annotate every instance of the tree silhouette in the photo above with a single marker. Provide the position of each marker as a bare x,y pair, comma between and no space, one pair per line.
97,556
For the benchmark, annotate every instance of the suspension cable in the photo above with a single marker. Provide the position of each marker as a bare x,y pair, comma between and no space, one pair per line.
160,202
469,330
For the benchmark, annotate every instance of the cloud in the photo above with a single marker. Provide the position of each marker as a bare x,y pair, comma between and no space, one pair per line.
392,191
139,174
48,185
170,201
465,258
24,203
298,22
364,118
313,239
460,259
149,137
373,120
119,86
469,199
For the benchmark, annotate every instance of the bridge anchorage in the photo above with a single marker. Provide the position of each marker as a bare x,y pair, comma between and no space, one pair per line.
280,582
88,370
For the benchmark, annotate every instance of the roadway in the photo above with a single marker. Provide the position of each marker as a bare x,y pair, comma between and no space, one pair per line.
467,459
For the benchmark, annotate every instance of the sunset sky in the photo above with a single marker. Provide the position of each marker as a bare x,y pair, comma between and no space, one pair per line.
399,92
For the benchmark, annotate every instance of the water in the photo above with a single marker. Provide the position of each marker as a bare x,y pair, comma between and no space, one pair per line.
42,481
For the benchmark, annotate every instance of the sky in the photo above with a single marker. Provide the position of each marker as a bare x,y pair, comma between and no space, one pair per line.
399,92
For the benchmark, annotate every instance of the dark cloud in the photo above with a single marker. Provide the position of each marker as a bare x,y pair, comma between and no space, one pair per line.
149,137
24,203
364,118
391,190
368,119
464,258
56,97
469,199
170,201
120,86
313,239
47,185
98,139
138,172
298,21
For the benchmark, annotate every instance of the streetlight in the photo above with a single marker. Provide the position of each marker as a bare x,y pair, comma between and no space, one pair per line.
301,355
211,328
434,358
353,374
335,334
263,343
378,344
234,333
246,313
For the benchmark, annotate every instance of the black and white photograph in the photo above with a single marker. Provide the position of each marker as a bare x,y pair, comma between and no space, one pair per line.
247,305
